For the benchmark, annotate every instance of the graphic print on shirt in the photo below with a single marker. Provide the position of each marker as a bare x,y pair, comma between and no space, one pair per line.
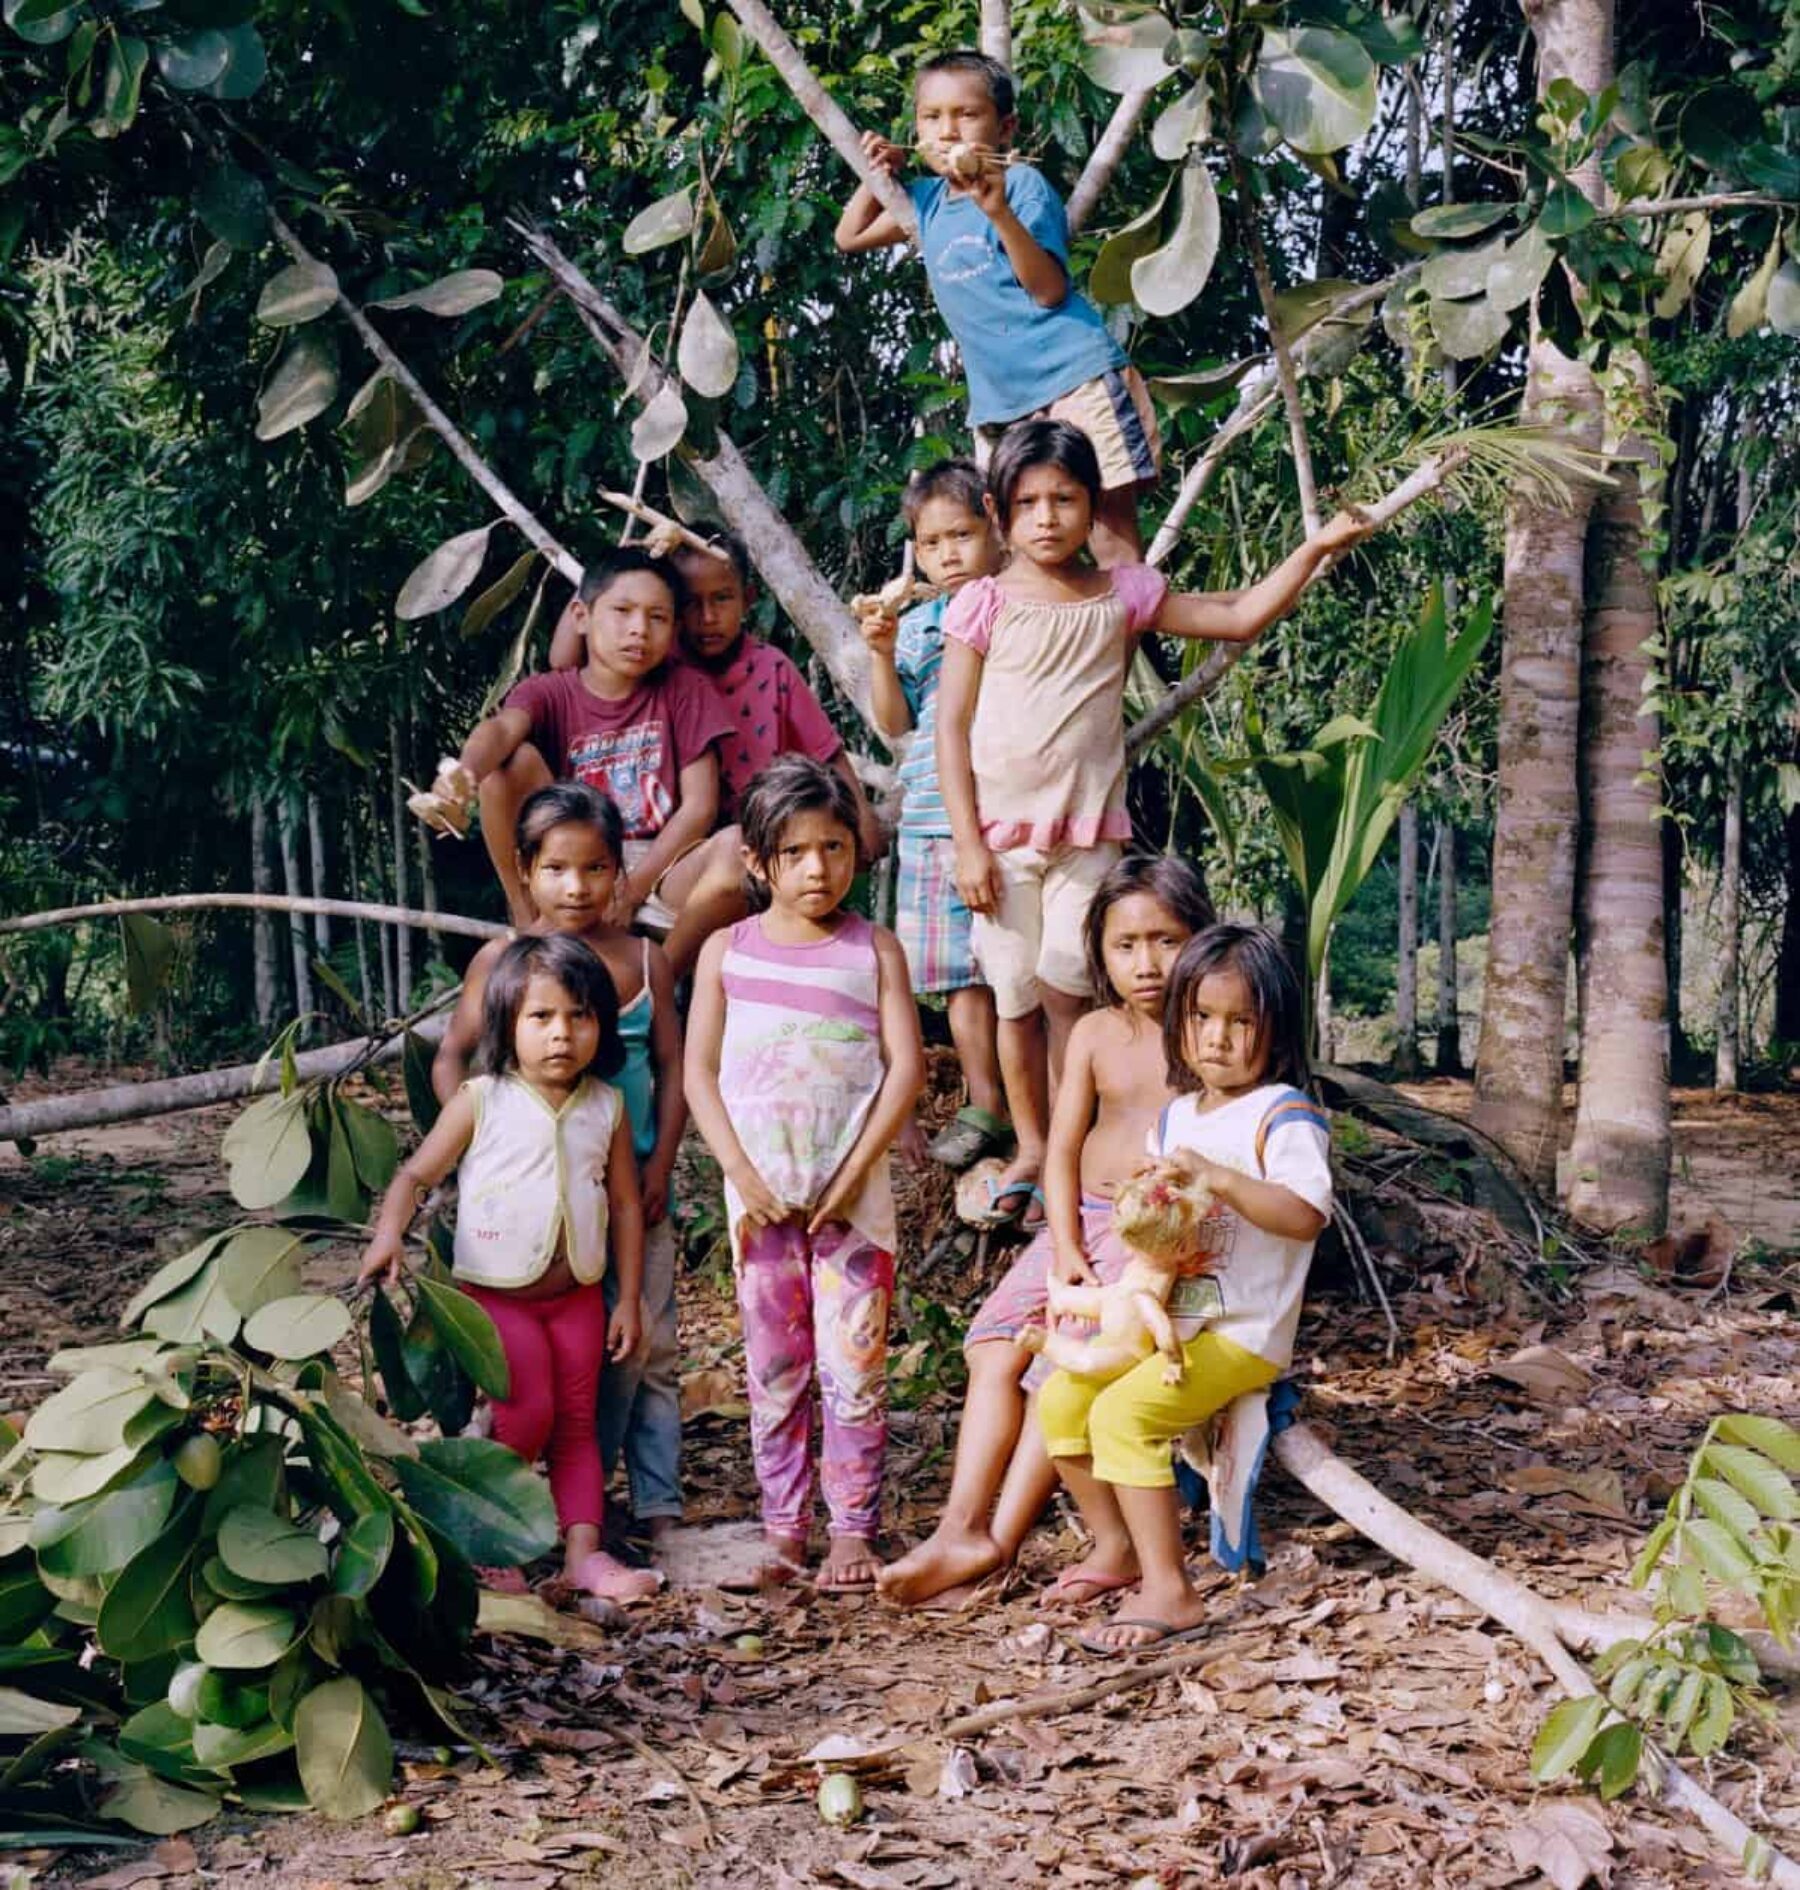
963,258
626,766
1196,1294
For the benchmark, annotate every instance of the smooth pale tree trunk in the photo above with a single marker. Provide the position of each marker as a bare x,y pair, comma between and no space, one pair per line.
1406,967
1731,868
1787,958
1519,1063
996,30
289,828
262,929
1619,1162
1447,1055
403,973
1323,1045
365,985
321,872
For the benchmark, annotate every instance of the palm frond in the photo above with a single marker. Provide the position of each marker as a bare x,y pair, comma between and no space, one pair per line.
1490,465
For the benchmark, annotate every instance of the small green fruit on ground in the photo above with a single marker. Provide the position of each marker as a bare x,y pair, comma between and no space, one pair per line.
198,1460
749,1645
401,1820
840,1798
184,1688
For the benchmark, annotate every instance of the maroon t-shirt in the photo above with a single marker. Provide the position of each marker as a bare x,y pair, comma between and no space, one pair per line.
632,750
771,711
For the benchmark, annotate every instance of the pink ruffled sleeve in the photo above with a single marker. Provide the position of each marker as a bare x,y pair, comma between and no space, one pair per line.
971,613
1141,590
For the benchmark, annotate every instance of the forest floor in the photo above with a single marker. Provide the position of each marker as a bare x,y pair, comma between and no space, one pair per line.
1346,1723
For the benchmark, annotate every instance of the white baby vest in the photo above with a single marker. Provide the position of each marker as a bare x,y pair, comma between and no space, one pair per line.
531,1172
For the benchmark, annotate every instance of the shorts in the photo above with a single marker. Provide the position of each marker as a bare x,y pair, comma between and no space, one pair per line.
1035,938
1114,411
1022,1294
655,915
930,919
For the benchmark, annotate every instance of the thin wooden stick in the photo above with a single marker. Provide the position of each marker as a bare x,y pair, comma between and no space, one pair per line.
658,521
261,902
1199,475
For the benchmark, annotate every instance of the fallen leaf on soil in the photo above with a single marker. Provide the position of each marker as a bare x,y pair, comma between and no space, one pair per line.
1544,1374
1568,1843
1602,1489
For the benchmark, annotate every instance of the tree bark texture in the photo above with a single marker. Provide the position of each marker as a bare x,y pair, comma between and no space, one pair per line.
403,974
365,984
1406,963
1106,157
1447,1055
1731,869
1619,1164
262,931
289,827
1518,1067
996,30
315,836
1787,958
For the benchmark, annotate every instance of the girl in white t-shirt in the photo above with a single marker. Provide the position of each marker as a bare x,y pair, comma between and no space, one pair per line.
1234,1034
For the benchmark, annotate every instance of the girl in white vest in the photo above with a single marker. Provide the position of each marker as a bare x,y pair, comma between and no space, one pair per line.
1235,1038
546,1172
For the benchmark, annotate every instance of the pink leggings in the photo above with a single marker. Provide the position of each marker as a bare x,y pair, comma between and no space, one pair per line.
555,1349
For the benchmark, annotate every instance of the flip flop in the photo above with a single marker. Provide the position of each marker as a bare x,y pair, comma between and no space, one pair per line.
989,1212
969,1135
1162,1635
1093,1586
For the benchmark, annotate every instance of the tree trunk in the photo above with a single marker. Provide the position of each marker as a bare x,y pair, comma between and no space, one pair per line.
1619,1164
386,941
1519,1064
1787,960
403,975
996,30
1674,939
1447,1057
315,834
1731,865
1406,965
262,930
1322,1031
289,826
365,986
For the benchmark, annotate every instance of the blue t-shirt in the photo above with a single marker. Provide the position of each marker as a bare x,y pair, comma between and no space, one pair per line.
918,656
1018,356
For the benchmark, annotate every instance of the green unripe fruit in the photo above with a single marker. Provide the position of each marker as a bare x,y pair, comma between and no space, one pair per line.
750,1646
840,1798
198,1460
401,1820
184,1688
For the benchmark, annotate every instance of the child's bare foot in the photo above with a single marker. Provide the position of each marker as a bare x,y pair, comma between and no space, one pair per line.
784,1560
1082,1584
947,1558
850,1564
606,1577
1159,1612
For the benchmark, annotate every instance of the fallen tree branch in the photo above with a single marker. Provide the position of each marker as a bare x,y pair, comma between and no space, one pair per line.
262,902
818,104
1303,1454
1425,478
1590,1633
131,1102
512,507
1106,157
782,561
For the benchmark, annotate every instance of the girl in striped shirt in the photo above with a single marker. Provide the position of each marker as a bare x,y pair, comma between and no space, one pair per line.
803,1063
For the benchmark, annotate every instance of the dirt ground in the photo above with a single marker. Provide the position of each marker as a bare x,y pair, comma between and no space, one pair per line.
1345,1724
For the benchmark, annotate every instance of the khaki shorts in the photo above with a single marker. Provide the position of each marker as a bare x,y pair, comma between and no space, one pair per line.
1114,411
1035,938
655,915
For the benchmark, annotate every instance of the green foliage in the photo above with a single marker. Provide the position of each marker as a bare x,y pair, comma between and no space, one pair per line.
1731,1526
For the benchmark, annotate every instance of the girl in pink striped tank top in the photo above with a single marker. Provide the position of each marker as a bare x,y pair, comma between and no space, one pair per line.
803,1062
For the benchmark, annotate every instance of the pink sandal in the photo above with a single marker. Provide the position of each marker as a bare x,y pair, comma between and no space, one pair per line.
608,1578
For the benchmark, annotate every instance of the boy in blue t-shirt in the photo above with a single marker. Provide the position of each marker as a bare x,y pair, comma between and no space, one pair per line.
995,240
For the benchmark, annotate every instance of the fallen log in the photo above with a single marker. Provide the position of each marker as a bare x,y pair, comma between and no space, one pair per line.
261,902
131,1102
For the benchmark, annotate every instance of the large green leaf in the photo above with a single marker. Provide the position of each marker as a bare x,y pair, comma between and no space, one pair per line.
346,1757
221,1747
103,1534
231,204
148,1611
1316,86
268,1150
260,1264
707,353
1468,330
303,385
481,1495
1187,122
91,1414
42,22
263,1547
1125,54
25,1716
1565,1736
298,1327
469,1333
25,1603
246,65
454,294
246,1636
667,220
387,1338
149,957
415,1067
658,428
170,1277
1782,299
1459,219
63,1478
362,1553
299,293
151,1804
1169,278
193,61
442,576
1110,278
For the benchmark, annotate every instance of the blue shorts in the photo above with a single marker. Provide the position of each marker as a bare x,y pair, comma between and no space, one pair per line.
930,919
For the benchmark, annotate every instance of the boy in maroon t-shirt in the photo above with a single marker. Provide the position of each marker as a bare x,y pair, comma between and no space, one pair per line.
770,709
642,730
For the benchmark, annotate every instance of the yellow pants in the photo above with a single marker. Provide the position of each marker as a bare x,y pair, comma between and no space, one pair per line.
1128,1424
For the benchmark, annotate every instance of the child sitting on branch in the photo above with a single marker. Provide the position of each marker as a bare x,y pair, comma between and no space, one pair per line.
995,240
